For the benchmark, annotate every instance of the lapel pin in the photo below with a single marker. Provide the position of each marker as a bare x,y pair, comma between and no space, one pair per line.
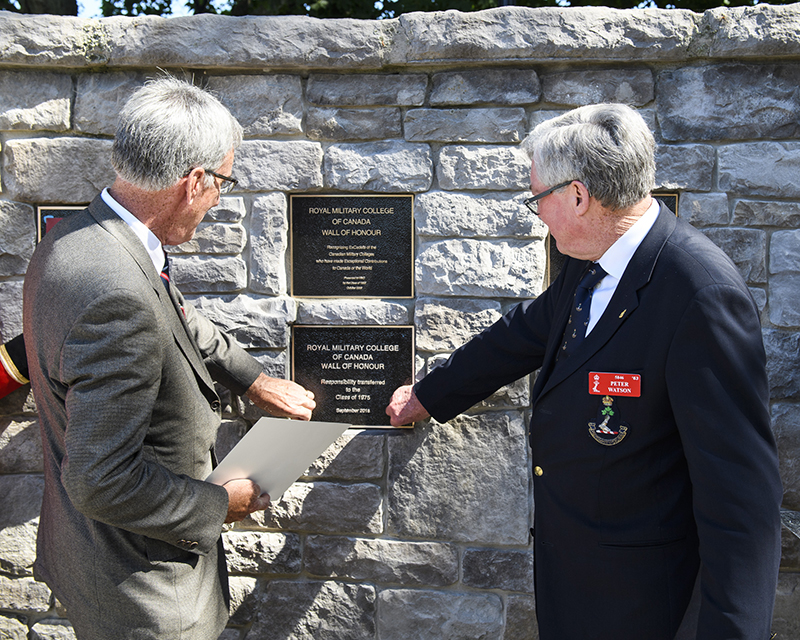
623,313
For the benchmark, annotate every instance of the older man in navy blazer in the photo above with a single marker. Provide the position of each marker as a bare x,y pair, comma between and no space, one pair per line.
655,470
123,370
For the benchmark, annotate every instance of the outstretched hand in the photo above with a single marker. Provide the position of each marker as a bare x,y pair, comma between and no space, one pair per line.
282,398
405,408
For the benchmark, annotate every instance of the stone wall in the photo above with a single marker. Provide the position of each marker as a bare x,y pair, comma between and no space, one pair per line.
424,533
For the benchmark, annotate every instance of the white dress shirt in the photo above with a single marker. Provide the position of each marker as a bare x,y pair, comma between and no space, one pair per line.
149,240
615,260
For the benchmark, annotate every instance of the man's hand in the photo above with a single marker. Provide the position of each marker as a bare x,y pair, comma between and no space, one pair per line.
244,497
282,398
404,408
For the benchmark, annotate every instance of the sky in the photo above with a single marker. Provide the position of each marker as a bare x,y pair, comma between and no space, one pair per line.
91,8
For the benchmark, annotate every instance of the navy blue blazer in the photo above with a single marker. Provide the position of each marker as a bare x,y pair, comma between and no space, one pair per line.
684,478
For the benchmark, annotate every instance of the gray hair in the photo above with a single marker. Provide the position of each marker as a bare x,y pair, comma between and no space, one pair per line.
167,128
607,147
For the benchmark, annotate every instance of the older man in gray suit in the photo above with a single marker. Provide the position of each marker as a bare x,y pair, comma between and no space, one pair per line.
122,368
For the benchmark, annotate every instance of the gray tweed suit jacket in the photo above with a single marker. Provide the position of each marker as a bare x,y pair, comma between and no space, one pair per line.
129,536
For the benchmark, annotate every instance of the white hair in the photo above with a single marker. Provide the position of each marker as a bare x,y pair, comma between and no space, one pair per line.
167,128
607,147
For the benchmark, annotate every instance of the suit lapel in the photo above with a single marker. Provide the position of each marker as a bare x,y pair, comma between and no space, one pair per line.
620,308
173,313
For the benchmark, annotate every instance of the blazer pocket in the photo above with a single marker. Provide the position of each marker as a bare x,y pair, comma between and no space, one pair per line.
160,551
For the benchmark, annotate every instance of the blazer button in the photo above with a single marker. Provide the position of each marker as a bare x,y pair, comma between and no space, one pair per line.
538,472
215,405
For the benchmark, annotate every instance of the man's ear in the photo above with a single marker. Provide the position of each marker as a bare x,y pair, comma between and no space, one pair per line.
193,185
580,197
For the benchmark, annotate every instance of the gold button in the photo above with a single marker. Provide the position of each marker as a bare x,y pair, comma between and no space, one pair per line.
538,471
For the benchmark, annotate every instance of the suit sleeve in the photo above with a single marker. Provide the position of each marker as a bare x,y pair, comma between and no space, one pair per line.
511,348
227,362
718,389
111,366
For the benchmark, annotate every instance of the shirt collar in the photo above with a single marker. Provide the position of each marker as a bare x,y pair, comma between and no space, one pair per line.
616,258
148,238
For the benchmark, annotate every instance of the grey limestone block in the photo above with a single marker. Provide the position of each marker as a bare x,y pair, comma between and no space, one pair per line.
747,248
481,268
521,618
219,238
634,87
783,362
24,595
485,86
262,553
201,274
483,167
53,629
379,90
56,170
784,252
502,124
446,324
766,213
705,209
786,616
325,610
786,427
339,124
269,242
255,323
685,167
465,481
228,436
13,628
272,165
17,237
35,101
19,519
415,613
393,167
10,308
729,101
20,446
468,215
402,562
347,312
507,569
229,209
760,169
264,105
784,299
354,456
325,507
99,98
555,33
245,591
750,32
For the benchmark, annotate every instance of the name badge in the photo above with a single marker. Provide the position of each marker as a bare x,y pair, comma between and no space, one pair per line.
615,384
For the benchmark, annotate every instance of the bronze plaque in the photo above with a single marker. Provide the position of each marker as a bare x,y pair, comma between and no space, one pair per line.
358,246
352,370
48,215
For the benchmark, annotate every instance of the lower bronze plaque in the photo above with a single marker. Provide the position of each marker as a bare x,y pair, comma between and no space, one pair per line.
353,370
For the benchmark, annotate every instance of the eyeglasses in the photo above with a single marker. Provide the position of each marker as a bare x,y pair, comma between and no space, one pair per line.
533,202
228,183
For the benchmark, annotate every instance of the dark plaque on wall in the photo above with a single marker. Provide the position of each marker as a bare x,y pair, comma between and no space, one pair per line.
352,246
48,215
352,370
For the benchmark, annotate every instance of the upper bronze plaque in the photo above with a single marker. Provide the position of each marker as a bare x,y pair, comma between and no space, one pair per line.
352,246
